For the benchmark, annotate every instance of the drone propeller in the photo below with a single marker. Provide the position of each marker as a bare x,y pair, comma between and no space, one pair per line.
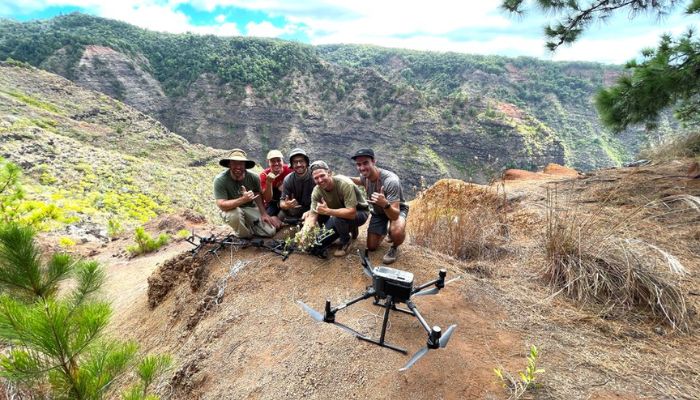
458,277
366,266
420,353
319,317
435,290
442,342
313,313
427,292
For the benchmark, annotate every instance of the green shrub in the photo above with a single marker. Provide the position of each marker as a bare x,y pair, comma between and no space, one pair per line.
526,379
66,242
114,227
15,208
145,242
56,344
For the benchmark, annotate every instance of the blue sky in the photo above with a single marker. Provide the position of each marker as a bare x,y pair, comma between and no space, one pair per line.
437,25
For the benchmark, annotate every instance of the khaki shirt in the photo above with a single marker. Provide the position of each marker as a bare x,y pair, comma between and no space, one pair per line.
345,194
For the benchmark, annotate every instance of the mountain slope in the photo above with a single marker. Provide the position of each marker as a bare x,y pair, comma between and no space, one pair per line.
95,157
427,114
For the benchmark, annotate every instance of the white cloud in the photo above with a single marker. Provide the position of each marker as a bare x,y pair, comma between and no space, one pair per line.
431,25
266,29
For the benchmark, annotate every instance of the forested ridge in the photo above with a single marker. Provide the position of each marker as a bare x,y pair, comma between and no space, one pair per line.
391,90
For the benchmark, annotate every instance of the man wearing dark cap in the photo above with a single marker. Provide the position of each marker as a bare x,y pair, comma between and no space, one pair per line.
271,183
237,194
389,209
339,199
297,187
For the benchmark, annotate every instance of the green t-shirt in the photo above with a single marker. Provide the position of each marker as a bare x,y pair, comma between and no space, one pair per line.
226,188
345,194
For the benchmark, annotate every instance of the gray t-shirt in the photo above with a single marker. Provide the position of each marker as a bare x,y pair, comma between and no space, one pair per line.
299,188
390,183
226,188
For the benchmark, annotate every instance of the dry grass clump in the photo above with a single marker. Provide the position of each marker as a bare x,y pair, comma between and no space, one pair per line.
591,260
462,220
686,145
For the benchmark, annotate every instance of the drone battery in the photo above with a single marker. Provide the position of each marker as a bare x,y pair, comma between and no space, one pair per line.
392,282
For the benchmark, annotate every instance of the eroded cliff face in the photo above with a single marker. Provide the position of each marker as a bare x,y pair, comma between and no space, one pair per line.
122,77
410,136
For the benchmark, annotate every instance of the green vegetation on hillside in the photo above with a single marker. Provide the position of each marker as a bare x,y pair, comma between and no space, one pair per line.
74,160
175,60
397,91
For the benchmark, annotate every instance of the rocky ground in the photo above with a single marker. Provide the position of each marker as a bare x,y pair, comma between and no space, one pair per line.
233,325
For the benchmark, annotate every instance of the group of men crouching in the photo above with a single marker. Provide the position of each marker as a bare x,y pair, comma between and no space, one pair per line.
310,192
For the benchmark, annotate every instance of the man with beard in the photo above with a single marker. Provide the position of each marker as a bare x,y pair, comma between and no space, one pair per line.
341,201
297,187
237,194
271,182
388,205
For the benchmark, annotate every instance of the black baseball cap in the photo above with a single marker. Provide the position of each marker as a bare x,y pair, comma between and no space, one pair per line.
364,153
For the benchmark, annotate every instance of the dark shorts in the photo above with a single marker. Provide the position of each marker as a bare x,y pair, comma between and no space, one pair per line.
379,223
273,208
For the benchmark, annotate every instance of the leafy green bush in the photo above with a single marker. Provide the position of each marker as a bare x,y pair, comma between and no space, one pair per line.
15,208
57,348
145,242
114,227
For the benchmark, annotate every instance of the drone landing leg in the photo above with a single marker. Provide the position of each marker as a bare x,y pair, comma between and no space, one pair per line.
388,306
393,307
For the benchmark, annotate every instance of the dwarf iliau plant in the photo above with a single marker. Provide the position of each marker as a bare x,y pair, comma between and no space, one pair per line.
526,379
56,344
306,239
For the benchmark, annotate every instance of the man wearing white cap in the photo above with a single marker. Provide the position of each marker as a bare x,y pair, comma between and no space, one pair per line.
237,194
271,183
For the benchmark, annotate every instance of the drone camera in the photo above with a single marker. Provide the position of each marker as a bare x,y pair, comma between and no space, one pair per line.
392,282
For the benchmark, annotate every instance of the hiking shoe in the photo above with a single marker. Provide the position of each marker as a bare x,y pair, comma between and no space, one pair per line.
354,232
342,250
390,255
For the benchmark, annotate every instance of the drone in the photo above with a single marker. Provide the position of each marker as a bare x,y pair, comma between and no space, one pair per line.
318,248
390,287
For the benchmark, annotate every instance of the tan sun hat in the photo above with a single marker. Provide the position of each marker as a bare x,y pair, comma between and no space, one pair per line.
237,155
274,154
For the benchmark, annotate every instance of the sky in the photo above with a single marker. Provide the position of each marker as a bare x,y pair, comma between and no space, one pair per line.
474,27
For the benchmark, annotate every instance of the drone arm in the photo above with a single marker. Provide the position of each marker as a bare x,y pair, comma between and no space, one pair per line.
415,311
369,293
439,282
423,286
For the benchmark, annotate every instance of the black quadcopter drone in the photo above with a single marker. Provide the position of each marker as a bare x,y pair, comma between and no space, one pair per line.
389,287
318,248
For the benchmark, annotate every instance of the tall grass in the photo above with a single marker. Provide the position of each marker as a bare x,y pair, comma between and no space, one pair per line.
459,219
590,259
685,145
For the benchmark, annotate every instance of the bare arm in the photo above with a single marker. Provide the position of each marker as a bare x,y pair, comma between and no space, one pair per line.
345,213
228,205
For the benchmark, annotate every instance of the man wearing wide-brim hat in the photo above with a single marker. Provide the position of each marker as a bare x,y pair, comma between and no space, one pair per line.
237,194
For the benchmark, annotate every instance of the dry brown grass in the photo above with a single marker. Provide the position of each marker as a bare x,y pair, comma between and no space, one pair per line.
462,220
591,259
686,145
